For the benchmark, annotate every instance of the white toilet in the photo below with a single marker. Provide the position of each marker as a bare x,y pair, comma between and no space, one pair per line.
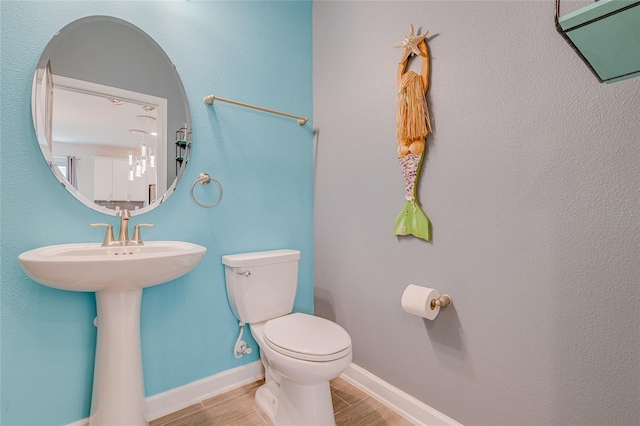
300,352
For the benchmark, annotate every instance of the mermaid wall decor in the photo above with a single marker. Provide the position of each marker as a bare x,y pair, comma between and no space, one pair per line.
413,127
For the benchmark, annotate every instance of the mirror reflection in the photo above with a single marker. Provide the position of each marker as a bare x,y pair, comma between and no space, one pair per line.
111,115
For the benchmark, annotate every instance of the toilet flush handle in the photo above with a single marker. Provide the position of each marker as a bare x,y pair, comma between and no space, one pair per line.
244,273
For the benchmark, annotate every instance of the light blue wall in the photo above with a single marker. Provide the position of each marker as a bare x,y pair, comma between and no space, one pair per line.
231,49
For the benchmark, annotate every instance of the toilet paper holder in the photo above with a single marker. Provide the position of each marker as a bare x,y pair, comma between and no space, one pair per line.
423,301
442,301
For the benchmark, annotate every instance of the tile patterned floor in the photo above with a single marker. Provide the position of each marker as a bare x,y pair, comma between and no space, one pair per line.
351,406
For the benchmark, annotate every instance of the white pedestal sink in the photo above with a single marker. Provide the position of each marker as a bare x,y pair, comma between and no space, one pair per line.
117,275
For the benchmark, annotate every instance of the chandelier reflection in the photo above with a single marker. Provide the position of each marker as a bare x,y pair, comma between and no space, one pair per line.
143,158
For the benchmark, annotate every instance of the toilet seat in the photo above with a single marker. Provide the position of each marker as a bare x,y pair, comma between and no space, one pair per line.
307,337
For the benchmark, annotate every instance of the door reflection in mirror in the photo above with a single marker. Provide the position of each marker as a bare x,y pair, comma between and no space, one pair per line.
106,94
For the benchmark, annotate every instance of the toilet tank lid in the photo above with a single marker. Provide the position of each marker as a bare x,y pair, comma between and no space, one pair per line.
260,258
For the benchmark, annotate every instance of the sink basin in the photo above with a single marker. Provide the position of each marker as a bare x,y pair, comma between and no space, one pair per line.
117,275
90,267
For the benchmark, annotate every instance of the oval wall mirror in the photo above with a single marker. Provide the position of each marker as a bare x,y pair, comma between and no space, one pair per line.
111,115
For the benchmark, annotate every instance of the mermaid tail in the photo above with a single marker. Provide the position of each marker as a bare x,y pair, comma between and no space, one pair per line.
412,220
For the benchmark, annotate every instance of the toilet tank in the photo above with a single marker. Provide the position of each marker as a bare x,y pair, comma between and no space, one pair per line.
261,285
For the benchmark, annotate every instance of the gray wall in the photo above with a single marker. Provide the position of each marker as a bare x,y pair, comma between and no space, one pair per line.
532,185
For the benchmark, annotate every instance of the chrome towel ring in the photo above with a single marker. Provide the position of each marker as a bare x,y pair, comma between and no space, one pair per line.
204,179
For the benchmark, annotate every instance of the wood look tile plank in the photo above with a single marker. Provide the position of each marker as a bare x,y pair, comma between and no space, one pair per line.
338,383
369,412
233,411
349,393
215,415
263,415
339,404
221,402
352,407
249,388
176,415
393,418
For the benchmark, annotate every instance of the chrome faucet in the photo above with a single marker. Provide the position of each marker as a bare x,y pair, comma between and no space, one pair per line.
123,239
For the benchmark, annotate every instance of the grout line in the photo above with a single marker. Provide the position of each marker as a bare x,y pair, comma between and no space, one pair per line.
258,412
347,404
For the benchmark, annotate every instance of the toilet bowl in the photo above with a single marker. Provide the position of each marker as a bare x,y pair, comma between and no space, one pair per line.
301,353
303,394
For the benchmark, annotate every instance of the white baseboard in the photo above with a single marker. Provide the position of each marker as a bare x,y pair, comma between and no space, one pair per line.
181,397
404,404
178,398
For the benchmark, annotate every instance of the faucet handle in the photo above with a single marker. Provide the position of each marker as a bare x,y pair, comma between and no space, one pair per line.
136,239
108,236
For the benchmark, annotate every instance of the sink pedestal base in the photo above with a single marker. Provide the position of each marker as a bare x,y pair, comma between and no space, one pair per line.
118,383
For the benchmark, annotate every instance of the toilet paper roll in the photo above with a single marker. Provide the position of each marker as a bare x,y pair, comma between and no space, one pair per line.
416,300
